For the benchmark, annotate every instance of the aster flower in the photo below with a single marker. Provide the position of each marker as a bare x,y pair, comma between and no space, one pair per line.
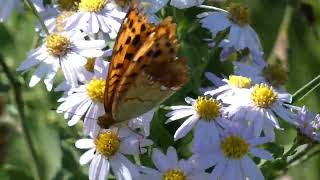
259,106
205,114
87,99
241,34
233,86
181,4
54,15
308,124
169,167
95,15
68,50
108,150
7,7
230,155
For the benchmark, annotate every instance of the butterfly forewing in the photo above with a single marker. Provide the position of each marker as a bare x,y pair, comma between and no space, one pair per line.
133,31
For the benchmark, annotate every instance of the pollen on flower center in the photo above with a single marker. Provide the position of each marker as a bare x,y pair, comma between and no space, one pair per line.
90,64
275,74
92,5
239,14
68,5
174,174
234,147
263,95
207,108
239,81
95,89
57,44
107,143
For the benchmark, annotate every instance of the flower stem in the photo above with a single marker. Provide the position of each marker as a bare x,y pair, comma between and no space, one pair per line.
306,89
212,8
291,150
301,154
20,106
35,12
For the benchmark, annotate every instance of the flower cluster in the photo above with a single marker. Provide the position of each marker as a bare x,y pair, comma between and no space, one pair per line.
229,121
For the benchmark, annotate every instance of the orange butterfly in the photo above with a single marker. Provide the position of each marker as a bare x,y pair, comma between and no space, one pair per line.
144,69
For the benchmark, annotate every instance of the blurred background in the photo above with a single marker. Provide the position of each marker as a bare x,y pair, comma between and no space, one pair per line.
293,40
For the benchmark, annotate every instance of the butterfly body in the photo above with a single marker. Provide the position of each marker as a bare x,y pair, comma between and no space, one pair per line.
144,69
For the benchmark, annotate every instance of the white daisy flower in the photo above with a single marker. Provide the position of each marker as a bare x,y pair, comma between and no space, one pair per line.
258,107
108,150
54,15
230,155
241,34
309,124
68,50
181,4
95,15
87,100
170,167
232,87
7,7
204,113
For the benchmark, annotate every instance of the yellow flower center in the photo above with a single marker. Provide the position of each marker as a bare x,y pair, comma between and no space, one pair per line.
90,64
239,14
234,147
57,44
239,81
92,5
107,143
275,74
263,95
68,5
174,174
95,89
207,108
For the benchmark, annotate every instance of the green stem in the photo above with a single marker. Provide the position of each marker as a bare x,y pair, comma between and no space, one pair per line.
291,150
306,89
301,154
283,29
35,12
20,106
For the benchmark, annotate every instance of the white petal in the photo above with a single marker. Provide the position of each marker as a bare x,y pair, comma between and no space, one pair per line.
161,161
172,155
186,127
121,167
84,144
99,168
87,156
250,169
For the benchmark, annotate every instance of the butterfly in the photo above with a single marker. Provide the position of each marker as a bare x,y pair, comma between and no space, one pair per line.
144,68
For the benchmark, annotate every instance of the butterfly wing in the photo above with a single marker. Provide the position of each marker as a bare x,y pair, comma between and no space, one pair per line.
134,27
153,75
